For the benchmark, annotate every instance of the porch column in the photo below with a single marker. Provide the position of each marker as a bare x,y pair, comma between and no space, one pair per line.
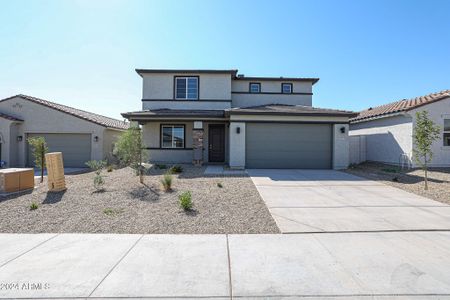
341,146
197,143
237,145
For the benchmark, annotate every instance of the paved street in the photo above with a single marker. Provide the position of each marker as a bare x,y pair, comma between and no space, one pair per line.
352,265
333,201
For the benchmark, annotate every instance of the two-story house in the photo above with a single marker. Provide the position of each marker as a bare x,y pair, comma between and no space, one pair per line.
218,116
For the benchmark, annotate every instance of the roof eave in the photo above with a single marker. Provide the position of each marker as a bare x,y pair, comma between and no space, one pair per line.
232,72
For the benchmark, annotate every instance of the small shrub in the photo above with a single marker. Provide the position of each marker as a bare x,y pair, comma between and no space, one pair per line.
109,168
97,166
112,212
176,170
395,179
160,166
186,200
167,182
33,206
219,184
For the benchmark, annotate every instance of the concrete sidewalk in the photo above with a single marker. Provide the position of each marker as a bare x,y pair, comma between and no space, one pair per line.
392,265
333,201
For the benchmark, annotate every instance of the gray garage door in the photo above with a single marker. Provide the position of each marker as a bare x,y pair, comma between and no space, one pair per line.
76,148
291,146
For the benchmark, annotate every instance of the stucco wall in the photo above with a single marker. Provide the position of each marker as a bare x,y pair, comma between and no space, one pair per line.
41,119
237,145
5,132
242,98
341,147
386,138
211,86
188,104
438,111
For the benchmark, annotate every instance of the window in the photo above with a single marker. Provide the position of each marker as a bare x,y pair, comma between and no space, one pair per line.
172,136
446,133
255,87
186,88
286,88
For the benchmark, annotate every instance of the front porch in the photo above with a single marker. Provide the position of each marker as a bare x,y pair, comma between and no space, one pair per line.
197,142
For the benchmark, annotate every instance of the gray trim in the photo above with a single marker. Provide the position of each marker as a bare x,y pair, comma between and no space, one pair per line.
271,113
191,100
292,122
307,79
273,93
186,71
170,149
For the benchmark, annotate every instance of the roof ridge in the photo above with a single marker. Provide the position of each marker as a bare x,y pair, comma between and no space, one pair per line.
79,113
71,107
404,104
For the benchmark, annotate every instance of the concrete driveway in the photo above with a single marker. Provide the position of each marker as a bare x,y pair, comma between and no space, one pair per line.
333,201
388,265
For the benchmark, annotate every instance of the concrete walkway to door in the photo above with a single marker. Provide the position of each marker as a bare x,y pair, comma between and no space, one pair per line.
332,201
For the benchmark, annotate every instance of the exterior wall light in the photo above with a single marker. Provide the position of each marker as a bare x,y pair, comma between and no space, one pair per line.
238,130
342,129
96,139
19,138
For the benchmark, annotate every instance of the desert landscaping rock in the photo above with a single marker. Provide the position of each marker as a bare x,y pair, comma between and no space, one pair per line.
126,206
408,180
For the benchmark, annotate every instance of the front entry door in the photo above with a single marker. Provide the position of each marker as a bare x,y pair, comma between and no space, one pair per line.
216,140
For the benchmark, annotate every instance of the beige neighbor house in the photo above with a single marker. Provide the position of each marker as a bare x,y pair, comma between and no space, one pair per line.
220,117
78,134
386,132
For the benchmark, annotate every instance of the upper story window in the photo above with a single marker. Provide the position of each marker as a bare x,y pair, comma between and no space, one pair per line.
186,88
286,88
446,132
255,87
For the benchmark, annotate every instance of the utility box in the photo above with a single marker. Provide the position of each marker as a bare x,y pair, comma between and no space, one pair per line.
16,179
55,172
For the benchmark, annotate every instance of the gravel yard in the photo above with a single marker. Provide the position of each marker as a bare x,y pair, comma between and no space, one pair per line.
126,206
408,180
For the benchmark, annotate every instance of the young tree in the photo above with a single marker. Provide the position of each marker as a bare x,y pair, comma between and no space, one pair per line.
130,150
425,133
39,148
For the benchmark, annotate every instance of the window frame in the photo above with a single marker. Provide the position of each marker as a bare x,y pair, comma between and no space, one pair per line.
287,84
250,87
445,132
161,139
186,89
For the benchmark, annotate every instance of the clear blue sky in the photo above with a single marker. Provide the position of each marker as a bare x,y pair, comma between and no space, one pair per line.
83,53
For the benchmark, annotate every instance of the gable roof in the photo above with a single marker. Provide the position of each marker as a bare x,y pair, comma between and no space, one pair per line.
400,106
285,109
82,114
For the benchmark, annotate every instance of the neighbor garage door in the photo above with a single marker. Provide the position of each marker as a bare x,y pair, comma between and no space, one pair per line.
76,148
293,146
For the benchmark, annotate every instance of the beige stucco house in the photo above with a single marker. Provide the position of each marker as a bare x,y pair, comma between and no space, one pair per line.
78,134
220,117
387,130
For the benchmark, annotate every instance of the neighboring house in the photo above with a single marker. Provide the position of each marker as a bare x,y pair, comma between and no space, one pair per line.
217,116
78,134
388,129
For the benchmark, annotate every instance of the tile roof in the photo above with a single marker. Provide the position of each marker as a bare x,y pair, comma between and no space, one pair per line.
282,109
165,112
8,117
400,106
85,115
